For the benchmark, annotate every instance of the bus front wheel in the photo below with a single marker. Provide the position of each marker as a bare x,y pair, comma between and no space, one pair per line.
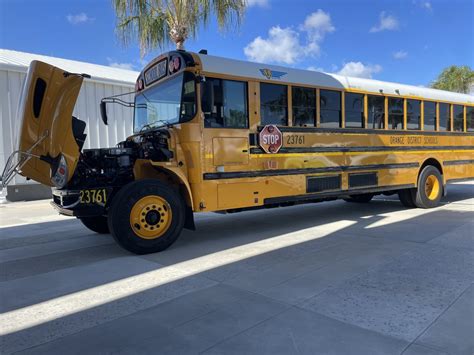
146,216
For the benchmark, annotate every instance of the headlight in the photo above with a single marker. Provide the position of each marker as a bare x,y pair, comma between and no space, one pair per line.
59,178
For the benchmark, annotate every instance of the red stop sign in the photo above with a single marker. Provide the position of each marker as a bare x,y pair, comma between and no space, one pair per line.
271,139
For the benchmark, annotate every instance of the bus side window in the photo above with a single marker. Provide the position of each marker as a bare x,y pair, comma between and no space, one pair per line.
376,112
224,103
354,109
304,106
429,109
470,118
458,114
444,115
273,104
330,103
413,114
395,113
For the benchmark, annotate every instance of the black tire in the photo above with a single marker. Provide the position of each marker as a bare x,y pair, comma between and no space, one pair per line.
407,197
120,223
362,198
427,197
96,224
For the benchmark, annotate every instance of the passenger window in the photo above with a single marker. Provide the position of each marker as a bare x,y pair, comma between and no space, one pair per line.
224,103
413,114
274,104
470,118
354,110
395,113
444,114
330,103
304,106
429,110
376,114
458,114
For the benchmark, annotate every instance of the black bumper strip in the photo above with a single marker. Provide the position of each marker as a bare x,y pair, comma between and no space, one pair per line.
282,172
322,195
458,162
392,132
361,149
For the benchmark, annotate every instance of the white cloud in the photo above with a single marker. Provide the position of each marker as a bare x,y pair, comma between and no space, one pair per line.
288,45
401,54
281,46
114,64
424,4
359,70
387,22
261,3
79,18
317,25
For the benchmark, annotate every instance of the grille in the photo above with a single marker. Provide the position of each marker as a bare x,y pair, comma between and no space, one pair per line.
363,179
323,183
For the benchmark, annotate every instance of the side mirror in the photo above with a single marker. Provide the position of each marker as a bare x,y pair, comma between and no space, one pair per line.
103,111
207,102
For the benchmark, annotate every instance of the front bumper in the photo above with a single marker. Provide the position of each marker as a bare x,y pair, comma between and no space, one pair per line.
67,202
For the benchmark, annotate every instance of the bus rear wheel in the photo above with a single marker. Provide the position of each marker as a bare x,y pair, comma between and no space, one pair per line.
430,188
362,198
146,216
96,224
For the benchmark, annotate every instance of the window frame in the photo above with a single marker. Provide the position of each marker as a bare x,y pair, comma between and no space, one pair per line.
387,113
287,90
246,85
463,117
341,109
291,111
466,107
384,116
420,116
364,110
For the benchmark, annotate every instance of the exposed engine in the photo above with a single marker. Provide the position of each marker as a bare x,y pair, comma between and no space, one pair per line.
114,166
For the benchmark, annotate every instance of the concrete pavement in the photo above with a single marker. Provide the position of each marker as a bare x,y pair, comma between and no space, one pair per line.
332,278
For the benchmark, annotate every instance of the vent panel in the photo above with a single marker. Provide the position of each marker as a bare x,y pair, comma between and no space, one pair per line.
363,179
323,183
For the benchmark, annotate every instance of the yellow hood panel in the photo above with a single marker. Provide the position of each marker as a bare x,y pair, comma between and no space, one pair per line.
46,107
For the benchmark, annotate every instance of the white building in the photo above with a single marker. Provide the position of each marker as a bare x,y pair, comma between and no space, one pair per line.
105,81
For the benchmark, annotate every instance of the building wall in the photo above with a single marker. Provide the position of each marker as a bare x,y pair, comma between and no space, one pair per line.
87,109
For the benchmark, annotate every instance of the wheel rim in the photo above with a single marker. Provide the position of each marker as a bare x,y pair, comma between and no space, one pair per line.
150,217
432,187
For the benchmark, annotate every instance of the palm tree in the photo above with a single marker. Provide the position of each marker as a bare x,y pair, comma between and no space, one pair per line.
156,23
455,78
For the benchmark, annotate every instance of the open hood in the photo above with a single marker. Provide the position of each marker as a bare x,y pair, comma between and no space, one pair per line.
51,137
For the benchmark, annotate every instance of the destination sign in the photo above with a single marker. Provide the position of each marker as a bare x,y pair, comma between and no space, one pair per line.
156,72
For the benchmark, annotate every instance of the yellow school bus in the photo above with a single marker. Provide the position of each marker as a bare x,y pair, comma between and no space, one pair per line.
215,134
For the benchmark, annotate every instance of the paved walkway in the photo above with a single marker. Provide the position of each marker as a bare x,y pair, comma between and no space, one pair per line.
332,278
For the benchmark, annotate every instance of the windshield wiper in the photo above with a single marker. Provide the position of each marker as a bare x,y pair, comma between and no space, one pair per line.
152,125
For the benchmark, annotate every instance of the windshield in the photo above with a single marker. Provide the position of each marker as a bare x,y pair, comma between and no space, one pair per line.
167,103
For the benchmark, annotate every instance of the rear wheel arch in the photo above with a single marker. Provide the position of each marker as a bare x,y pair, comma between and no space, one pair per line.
433,162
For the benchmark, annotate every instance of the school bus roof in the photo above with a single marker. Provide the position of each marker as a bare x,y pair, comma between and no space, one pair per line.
275,74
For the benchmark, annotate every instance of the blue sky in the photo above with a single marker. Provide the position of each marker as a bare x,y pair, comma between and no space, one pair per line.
407,41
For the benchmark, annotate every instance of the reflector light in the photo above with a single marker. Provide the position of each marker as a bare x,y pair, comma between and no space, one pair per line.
175,64
59,179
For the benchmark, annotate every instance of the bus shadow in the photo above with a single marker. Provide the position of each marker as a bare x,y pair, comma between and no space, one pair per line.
228,246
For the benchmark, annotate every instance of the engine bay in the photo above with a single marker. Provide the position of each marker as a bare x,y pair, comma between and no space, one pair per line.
114,166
